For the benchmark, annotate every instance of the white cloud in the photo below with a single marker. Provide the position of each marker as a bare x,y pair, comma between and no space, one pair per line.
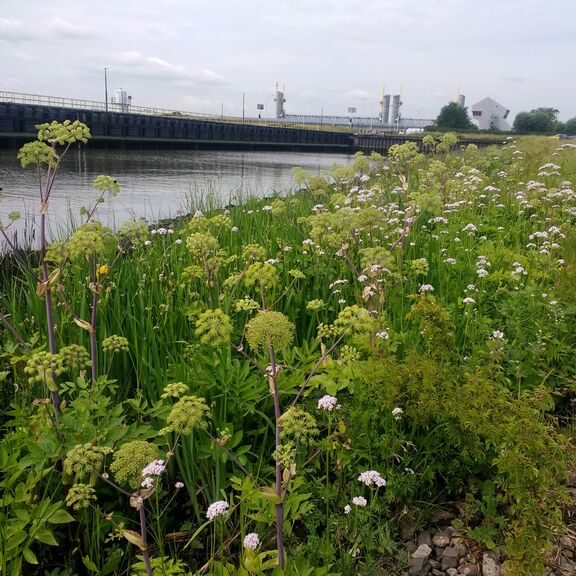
64,29
12,30
135,63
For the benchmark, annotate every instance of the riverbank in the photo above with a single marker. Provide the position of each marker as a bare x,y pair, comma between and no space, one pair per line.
352,358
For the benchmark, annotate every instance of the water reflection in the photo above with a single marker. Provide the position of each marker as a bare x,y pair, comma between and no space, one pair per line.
155,184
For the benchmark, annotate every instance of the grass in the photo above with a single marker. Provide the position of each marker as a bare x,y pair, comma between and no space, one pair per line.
453,277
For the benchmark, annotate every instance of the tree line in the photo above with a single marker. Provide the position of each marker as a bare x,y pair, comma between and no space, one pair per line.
539,121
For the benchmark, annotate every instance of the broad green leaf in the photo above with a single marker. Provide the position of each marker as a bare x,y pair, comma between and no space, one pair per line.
44,535
61,517
29,556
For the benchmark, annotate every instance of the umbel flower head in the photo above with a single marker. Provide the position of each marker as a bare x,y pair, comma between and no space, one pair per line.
298,424
84,459
129,461
80,496
90,239
213,327
353,319
189,413
267,329
106,184
115,343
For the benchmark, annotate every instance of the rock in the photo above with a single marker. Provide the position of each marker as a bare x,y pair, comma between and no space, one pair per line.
425,538
444,517
452,572
436,572
567,542
469,569
419,567
423,551
441,539
489,565
449,559
435,564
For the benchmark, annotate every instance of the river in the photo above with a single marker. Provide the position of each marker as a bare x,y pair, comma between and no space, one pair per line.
154,184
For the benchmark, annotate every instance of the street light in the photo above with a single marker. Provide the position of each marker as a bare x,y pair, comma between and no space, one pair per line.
106,89
243,102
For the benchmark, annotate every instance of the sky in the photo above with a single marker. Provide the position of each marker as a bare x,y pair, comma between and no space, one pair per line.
210,55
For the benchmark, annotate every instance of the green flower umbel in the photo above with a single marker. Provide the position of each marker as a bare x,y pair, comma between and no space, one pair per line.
269,329
129,461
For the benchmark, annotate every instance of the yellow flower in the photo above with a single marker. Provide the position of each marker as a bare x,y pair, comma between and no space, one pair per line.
102,271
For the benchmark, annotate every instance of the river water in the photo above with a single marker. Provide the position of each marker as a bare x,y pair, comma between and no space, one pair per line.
154,184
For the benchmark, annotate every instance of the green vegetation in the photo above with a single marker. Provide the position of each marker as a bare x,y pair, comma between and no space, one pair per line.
543,121
454,117
282,386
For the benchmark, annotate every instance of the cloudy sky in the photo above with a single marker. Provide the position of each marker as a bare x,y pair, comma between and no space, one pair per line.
200,55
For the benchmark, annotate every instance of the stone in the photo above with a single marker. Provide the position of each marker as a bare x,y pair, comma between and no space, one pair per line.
425,538
469,569
490,567
423,551
436,572
452,572
435,564
441,539
567,542
418,566
449,560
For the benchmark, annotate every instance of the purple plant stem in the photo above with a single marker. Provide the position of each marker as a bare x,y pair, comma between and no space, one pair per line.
280,506
145,541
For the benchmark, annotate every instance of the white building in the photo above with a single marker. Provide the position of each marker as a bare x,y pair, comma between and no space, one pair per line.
489,115
121,100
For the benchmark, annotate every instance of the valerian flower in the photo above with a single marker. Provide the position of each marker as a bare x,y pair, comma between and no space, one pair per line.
359,501
219,508
251,541
371,477
328,403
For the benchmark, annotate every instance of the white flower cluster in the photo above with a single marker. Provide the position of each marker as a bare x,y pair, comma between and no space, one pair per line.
251,541
218,508
155,468
426,288
371,477
359,501
328,403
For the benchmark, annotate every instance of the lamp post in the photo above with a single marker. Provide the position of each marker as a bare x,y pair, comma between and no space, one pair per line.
243,107
106,89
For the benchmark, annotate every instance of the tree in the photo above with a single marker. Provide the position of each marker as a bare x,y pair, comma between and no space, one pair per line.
570,126
454,117
540,120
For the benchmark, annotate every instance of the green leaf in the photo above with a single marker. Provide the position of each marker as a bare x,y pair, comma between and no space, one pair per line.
44,535
61,517
269,493
112,563
89,564
29,556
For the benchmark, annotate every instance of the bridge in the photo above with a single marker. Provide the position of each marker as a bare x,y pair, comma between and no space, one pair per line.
141,127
